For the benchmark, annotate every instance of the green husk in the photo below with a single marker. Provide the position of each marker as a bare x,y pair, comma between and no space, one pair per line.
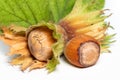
106,42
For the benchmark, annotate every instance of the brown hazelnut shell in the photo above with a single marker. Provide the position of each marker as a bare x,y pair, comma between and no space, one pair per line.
84,57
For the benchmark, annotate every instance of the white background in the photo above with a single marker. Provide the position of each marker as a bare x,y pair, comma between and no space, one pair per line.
107,68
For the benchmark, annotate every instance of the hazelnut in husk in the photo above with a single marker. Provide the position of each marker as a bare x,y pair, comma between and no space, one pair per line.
40,41
42,38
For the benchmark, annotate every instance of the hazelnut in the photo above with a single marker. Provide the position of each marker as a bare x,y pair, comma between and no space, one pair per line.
40,41
82,51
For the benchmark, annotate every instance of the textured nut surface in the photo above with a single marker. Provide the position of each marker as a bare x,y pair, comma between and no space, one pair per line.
88,53
40,41
82,51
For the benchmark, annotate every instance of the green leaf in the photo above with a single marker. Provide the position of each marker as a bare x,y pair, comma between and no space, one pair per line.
60,8
23,12
30,12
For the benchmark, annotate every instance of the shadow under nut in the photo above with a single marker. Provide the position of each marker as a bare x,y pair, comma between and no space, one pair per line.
40,41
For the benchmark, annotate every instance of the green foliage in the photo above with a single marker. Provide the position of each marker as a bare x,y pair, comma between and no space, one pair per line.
30,12
59,8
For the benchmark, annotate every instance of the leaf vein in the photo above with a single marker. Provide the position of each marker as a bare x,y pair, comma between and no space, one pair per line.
31,11
15,15
18,5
